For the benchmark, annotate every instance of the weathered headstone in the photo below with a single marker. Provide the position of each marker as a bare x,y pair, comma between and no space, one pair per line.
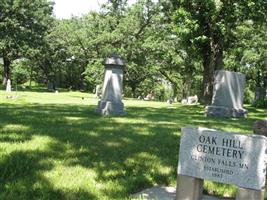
97,91
192,99
111,101
229,158
228,95
50,87
8,85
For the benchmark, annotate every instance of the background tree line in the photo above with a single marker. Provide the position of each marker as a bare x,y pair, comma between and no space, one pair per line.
170,47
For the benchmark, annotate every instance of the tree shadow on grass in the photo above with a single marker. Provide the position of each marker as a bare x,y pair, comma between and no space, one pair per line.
126,154
194,116
115,151
21,178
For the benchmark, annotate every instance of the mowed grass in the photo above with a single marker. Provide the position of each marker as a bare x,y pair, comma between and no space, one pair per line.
54,146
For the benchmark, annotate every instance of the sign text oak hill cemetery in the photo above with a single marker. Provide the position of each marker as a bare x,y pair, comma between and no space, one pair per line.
230,158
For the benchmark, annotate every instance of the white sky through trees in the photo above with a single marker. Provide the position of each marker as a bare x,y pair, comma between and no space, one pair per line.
64,9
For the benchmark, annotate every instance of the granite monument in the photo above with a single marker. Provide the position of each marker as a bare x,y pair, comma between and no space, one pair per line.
111,100
228,95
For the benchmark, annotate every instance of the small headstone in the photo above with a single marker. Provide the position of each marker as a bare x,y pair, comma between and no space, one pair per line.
228,95
149,97
97,91
229,158
50,87
192,100
8,85
111,101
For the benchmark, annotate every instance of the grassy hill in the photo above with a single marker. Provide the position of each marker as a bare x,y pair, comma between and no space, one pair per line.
54,146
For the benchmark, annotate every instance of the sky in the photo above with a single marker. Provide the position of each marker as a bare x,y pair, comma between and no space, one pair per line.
64,9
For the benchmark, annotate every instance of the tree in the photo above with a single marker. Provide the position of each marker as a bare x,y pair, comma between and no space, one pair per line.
207,27
23,26
249,55
125,33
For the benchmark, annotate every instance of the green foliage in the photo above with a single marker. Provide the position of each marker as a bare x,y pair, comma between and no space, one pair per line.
20,71
178,42
22,28
163,93
23,24
248,96
260,103
94,74
207,30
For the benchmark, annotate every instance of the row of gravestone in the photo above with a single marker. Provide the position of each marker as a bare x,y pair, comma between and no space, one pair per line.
228,92
227,101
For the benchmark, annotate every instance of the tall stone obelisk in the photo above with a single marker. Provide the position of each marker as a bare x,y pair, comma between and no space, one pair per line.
111,101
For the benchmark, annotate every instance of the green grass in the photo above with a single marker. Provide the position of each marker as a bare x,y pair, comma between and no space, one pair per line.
54,146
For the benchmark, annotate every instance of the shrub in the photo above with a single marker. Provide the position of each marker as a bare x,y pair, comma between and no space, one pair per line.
20,71
248,96
260,103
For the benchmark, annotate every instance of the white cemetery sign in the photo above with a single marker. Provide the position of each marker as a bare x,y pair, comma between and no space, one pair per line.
224,157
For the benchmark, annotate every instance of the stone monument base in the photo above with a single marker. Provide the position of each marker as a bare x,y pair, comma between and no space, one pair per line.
110,108
166,193
221,111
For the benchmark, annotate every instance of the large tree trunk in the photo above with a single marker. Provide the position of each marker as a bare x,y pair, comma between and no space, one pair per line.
213,60
133,88
175,90
186,87
219,58
208,80
31,72
6,74
208,66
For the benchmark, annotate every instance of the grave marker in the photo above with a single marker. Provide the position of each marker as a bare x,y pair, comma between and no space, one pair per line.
228,95
111,100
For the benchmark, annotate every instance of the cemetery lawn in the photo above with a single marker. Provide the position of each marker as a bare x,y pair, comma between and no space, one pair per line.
53,146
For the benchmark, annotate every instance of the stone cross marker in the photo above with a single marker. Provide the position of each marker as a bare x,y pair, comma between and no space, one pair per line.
111,101
229,158
228,95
